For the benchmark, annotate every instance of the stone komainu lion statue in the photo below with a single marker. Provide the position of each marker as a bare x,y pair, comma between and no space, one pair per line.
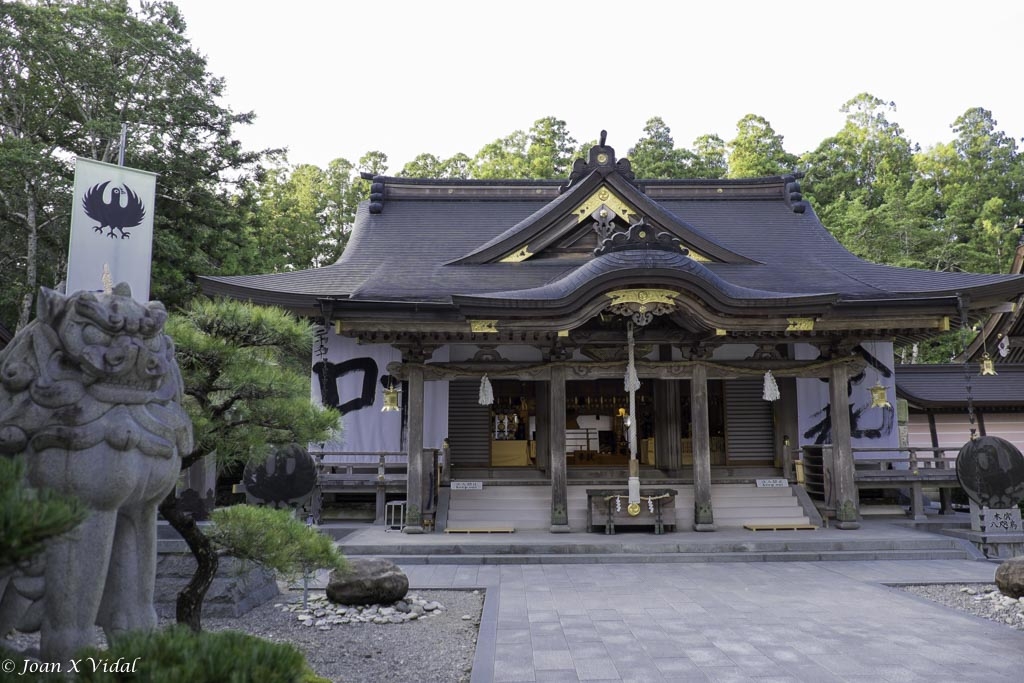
90,393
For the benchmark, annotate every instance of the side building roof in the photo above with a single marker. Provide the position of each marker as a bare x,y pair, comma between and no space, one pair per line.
945,387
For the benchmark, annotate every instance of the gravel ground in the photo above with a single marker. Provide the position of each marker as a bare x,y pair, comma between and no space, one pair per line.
435,649
981,600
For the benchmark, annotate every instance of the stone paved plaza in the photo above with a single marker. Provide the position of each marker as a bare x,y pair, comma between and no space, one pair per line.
761,621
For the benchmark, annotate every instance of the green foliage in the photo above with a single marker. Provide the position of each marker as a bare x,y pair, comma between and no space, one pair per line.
71,73
429,166
709,158
304,214
551,149
655,154
245,369
273,538
176,654
30,517
545,152
942,348
865,160
757,150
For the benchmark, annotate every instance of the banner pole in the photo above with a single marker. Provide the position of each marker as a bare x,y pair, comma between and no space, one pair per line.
120,149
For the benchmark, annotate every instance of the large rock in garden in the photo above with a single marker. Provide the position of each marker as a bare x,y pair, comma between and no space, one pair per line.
1010,577
368,581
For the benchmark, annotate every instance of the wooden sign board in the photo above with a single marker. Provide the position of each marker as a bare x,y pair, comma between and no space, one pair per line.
467,485
778,483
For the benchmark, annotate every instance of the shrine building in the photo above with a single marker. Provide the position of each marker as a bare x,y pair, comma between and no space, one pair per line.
497,323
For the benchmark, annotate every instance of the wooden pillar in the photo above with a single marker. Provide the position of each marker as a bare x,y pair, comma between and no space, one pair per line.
667,426
847,513
945,494
556,447
415,481
542,446
703,515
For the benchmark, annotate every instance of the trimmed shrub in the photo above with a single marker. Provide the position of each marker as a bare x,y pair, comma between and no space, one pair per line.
177,654
273,538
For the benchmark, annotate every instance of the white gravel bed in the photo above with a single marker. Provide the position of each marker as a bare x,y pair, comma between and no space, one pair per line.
982,600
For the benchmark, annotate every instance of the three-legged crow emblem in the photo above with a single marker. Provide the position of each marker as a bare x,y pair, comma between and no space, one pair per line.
112,215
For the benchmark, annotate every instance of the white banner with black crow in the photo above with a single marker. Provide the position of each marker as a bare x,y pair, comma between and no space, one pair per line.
111,228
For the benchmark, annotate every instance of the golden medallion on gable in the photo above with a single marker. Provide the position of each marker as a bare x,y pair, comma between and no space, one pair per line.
602,196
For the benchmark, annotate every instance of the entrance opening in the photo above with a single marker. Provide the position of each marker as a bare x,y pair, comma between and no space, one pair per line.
740,424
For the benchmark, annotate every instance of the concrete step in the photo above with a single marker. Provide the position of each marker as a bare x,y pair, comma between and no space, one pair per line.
669,543
681,558
670,547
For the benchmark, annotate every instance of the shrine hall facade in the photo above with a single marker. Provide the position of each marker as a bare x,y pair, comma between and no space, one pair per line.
537,286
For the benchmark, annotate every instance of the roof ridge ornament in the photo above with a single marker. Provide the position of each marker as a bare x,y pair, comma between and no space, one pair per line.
640,235
601,157
793,195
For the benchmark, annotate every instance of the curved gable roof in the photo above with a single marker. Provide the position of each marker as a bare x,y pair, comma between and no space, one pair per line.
546,225
436,245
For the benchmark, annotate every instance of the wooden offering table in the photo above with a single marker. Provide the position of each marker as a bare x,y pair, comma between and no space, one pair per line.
657,507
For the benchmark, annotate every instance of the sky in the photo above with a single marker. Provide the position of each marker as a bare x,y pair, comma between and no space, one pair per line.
330,79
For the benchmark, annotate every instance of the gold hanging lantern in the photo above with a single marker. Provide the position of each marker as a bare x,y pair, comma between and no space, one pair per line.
879,397
988,366
391,394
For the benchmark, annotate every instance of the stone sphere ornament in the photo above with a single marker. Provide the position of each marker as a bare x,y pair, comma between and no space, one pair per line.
991,472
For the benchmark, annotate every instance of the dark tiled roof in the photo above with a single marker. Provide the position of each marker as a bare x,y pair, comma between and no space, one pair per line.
416,249
945,386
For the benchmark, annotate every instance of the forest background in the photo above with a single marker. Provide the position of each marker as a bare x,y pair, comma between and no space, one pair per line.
72,73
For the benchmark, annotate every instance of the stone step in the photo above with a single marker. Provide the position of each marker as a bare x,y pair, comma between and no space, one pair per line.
528,508
685,543
759,511
640,557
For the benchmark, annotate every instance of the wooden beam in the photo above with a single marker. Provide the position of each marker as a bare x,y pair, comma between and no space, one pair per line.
667,370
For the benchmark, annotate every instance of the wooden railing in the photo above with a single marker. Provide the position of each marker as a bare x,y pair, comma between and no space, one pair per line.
379,473
345,471
912,468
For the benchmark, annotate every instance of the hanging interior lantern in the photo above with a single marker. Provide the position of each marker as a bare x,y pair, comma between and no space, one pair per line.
988,366
879,396
391,393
